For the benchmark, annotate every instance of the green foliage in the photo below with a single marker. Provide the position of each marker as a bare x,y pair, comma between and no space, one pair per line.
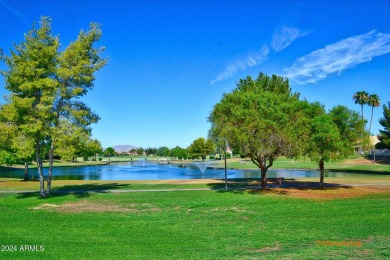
373,101
73,141
46,85
109,151
7,158
262,119
140,151
201,148
91,148
361,98
334,135
150,151
384,137
162,151
30,80
178,152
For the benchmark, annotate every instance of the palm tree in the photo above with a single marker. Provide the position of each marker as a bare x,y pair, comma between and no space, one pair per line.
373,101
361,98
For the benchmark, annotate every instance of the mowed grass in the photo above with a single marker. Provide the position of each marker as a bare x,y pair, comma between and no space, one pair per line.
198,225
354,163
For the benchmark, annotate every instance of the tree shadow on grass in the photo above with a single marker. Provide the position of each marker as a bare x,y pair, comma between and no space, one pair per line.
253,186
381,159
78,191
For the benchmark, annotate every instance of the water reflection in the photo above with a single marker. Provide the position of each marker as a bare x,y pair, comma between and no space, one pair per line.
154,171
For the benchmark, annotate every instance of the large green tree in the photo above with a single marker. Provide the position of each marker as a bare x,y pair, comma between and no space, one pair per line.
45,86
263,118
333,135
31,82
201,147
75,76
384,136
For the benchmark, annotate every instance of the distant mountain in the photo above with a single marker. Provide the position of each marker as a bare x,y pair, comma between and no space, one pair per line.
123,148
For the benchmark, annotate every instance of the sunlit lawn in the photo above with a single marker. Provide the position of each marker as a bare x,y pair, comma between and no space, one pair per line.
196,225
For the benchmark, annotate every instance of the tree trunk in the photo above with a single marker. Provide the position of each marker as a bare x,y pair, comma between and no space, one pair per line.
322,170
40,170
26,171
372,113
263,171
50,172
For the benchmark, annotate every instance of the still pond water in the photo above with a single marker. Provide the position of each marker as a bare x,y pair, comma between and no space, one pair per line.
153,171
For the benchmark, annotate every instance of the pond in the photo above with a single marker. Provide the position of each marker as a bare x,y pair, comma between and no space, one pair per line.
154,171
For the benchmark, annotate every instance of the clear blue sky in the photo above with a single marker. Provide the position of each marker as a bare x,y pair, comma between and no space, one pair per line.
171,61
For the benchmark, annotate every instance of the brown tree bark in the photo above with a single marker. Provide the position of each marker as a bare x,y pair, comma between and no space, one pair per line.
322,171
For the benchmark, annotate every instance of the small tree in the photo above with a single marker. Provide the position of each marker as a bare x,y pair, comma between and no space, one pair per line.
109,152
201,147
384,137
333,136
91,148
162,151
178,152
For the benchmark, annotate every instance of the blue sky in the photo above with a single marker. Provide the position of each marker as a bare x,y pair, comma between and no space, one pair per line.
171,61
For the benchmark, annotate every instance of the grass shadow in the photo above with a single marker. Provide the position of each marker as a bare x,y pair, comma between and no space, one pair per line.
253,186
78,191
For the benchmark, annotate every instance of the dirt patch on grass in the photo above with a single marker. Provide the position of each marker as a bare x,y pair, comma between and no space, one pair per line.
265,249
86,206
357,161
331,193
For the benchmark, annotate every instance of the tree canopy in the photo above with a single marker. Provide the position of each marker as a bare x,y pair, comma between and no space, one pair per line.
263,118
384,136
201,147
46,84
333,135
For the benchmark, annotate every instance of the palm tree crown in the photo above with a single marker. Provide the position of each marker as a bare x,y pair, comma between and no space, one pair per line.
373,101
361,98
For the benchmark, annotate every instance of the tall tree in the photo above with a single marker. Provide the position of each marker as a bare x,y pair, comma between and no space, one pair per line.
31,81
46,85
384,137
201,147
361,98
75,76
263,118
373,101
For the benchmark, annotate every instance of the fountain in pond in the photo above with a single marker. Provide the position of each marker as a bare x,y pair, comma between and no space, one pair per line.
143,161
202,166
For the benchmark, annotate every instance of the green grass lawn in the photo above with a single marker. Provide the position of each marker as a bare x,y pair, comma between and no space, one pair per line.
285,163
194,225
